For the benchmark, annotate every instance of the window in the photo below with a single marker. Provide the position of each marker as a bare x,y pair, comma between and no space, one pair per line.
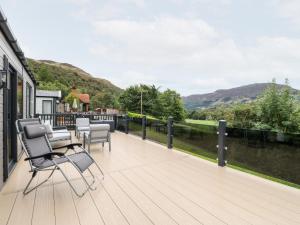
20,98
47,107
28,100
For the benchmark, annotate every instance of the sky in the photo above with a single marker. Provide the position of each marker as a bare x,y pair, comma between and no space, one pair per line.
192,46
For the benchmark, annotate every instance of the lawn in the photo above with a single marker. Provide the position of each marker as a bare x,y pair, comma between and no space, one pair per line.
202,122
137,115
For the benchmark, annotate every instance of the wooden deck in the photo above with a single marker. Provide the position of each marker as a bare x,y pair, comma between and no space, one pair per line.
147,184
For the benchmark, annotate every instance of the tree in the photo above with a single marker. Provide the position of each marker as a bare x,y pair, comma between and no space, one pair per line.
171,105
155,103
44,75
104,100
70,99
130,99
54,86
277,108
244,115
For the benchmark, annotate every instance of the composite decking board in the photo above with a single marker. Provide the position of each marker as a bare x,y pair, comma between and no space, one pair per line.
241,185
7,202
19,178
145,151
23,209
200,213
213,204
282,192
108,209
65,210
268,191
173,210
112,161
86,209
153,211
145,183
43,212
129,209
235,193
257,212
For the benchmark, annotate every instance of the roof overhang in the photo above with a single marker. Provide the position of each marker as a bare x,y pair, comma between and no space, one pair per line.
6,30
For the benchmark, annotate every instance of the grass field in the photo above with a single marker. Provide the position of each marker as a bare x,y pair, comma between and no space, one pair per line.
137,115
202,122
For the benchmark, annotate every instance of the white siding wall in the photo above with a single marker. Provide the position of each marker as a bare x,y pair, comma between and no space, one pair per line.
5,49
39,104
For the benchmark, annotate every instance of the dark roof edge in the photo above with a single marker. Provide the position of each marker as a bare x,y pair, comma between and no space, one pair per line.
5,28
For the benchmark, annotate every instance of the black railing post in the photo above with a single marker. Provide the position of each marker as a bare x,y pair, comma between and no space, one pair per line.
126,124
221,143
115,118
170,132
144,124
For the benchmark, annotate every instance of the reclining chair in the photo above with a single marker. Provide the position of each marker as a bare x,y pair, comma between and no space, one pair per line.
41,157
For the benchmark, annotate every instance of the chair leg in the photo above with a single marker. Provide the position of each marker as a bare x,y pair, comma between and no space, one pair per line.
25,192
89,185
109,142
71,185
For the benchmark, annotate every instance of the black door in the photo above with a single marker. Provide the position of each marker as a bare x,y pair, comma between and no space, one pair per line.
9,117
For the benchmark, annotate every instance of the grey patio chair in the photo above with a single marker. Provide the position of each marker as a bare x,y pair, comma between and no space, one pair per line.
82,125
41,157
57,134
99,133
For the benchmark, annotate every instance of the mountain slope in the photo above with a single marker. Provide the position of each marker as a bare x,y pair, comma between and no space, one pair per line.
63,76
227,96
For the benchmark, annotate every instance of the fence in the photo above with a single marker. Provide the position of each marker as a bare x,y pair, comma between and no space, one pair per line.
271,153
69,119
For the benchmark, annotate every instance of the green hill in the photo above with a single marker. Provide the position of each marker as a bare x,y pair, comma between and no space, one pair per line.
62,76
241,94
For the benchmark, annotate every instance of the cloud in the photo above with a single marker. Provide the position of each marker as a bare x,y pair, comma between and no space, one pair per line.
78,2
290,9
190,55
161,41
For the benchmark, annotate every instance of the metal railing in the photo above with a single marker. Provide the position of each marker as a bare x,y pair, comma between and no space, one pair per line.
69,119
271,153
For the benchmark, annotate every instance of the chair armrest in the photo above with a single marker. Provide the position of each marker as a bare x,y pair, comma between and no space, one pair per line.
69,146
45,156
59,128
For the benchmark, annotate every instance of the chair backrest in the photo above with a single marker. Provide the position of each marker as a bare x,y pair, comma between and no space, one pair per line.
99,131
21,123
34,140
82,122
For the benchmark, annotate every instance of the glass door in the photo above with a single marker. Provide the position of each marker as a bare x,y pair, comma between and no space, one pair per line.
9,114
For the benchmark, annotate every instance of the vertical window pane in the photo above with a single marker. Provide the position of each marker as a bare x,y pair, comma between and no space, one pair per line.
20,98
47,107
28,100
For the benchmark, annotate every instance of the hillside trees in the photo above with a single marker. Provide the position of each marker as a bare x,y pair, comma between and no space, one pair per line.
61,76
276,109
155,103
104,100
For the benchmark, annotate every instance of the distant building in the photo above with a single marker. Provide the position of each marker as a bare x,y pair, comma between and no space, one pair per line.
47,102
107,111
84,100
